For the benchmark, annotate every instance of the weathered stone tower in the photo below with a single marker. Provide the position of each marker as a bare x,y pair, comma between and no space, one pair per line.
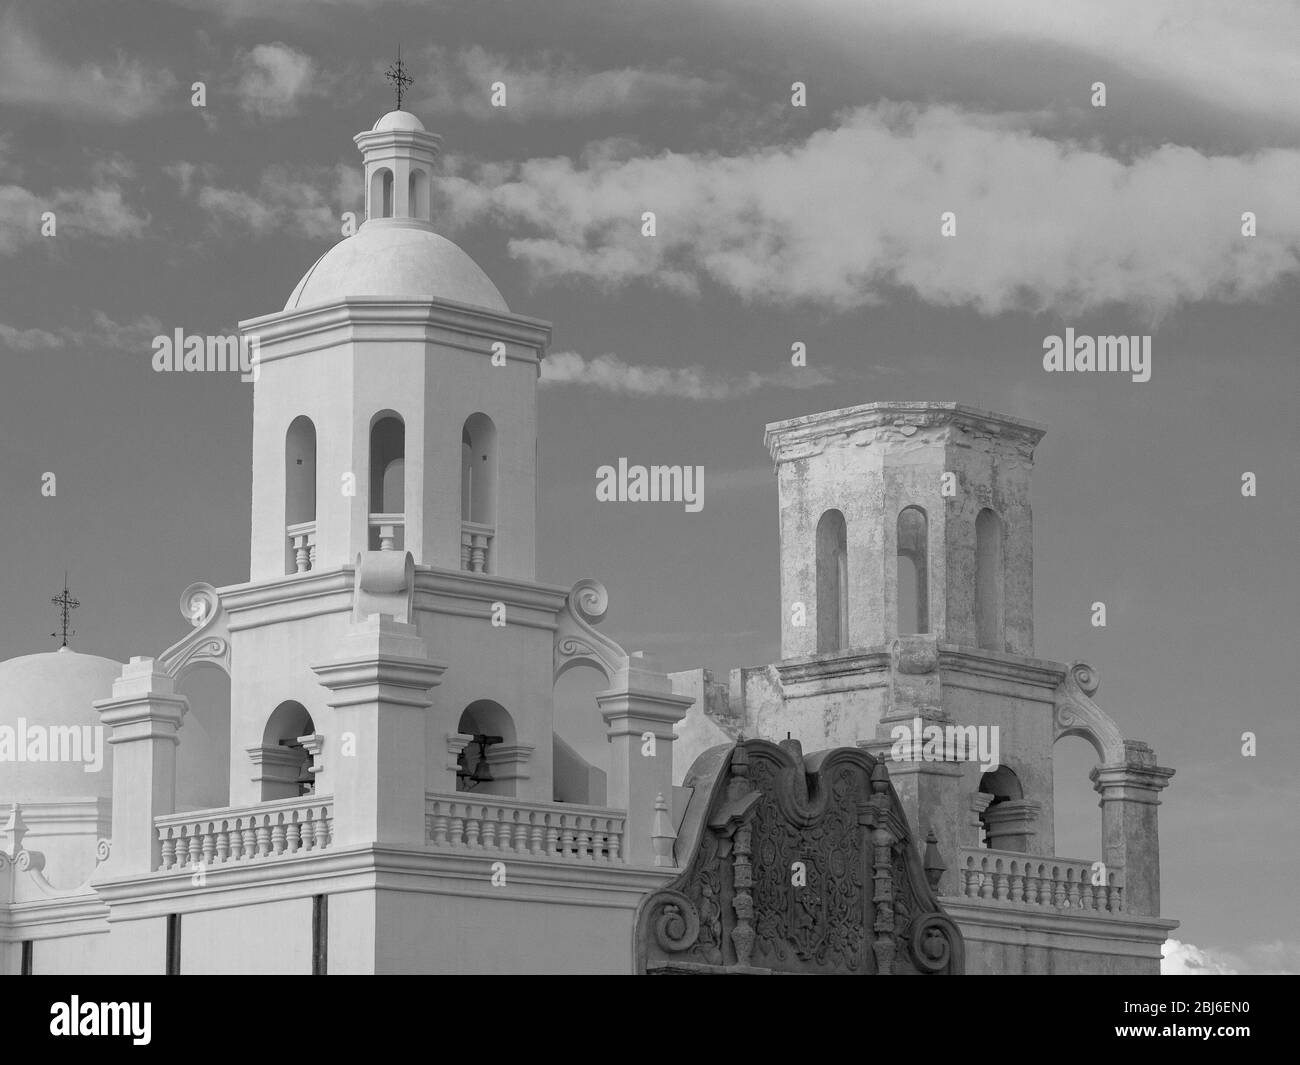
906,544
905,518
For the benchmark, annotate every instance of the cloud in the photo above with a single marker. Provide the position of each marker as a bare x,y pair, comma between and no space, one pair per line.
272,80
609,373
98,211
30,77
1278,958
103,333
850,215
301,201
1222,52
1185,959
549,87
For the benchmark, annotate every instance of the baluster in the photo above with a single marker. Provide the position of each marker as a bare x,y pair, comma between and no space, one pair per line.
472,828
223,842
552,836
1058,886
537,833
209,844
464,550
277,834
999,882
583,842
245,842
456,827
263,835
325,830
566,836
311,551
168,855
986,880
309,830
1031,884
523,819
599,838
195,854
293,833
1087,899
438,832
1016,885
490,828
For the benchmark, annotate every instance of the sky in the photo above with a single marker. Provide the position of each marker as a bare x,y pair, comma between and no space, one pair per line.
776,224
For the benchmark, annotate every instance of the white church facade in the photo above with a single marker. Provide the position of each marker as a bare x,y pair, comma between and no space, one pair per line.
388,793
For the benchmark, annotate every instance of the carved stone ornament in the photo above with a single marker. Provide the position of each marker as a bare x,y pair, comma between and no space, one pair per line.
798,869
576,640
1076,714
209,642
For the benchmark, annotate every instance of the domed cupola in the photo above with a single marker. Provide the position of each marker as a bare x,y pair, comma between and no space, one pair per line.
396,251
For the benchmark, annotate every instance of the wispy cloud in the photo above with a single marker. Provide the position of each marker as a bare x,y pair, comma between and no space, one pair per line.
852,214
1221,52
271,80
549,86
609,373
103,333
302,201
120,91
100,210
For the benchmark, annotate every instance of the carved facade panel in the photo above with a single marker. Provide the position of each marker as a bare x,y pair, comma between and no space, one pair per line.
798,872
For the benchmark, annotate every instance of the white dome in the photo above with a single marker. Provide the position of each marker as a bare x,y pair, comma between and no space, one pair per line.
399,120
55,690
388,257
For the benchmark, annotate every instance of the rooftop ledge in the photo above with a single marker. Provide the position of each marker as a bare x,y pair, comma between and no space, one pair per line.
923,414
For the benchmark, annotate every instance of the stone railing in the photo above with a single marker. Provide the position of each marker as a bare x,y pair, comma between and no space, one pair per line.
245,834
391,528
1026,880
498,825
475,546
302,542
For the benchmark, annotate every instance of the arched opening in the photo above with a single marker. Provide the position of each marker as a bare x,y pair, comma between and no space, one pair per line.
832,583
490,761
1003,784
203,753
1076,819
478,491
300,495
380,203
282,764
418,194
988,580
387,483
913,577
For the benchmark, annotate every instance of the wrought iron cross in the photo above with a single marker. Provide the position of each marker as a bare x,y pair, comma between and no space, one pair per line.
66,605
399,77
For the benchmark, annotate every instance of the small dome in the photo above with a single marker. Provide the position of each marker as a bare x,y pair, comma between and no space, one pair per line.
386,258
47,692
399,120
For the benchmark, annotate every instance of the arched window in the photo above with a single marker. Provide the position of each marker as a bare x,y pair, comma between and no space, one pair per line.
418,194
283,762
480,768
478,491
381,194
387,482
832,583
913,572
988,580
300,495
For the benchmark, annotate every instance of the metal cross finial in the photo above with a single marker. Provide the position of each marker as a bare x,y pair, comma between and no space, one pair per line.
66,605
399,77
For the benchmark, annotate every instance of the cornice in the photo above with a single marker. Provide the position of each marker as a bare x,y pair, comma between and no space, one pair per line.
901,424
